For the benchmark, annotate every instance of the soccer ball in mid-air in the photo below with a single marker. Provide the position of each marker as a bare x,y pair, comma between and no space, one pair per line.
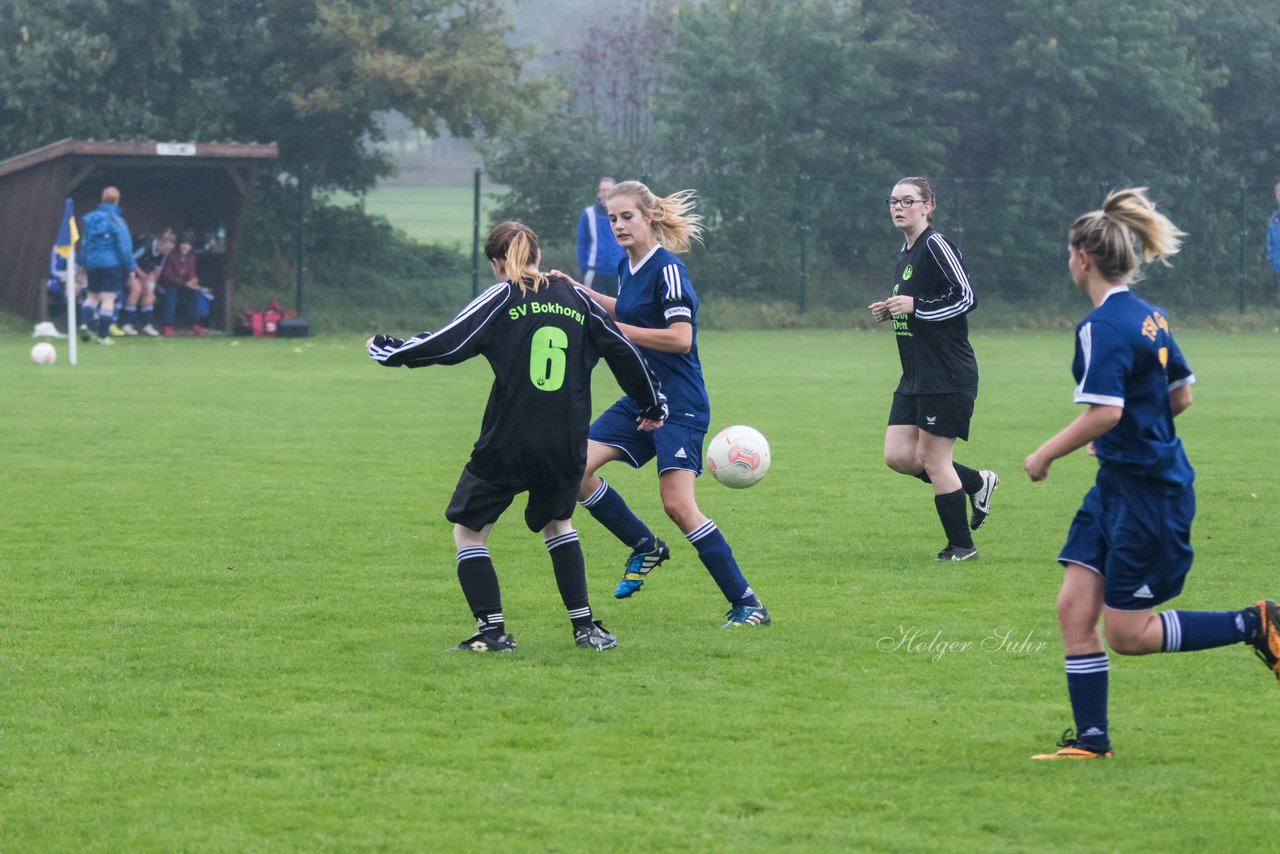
44,353
738,456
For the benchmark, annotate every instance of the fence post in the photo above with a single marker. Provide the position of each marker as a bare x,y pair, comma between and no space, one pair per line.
304,196
804,240
958,229
1244,225
475,238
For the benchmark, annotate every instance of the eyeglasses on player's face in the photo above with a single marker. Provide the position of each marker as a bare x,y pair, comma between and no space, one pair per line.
903,203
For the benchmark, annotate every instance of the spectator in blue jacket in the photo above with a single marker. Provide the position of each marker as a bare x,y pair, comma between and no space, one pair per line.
108,261
1273,242
598,251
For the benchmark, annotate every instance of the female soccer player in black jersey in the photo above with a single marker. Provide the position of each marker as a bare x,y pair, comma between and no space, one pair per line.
934,399
542,338
657,308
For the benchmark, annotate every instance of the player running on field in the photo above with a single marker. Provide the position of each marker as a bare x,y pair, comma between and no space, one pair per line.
542,338
934,400
1129,546
657,308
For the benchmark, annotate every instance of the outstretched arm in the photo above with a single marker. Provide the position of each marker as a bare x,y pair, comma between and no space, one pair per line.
456,342
628,366
1088,425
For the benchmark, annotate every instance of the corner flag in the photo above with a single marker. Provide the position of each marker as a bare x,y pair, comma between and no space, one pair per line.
68,234
65,246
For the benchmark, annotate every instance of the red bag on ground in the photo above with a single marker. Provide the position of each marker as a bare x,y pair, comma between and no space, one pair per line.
271,317
250,323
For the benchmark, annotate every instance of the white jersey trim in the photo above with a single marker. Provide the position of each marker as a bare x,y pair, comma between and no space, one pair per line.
495,292
590,213
953,269
636,267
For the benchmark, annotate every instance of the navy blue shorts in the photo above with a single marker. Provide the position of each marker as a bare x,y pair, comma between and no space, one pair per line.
478,502
101,279
947,415
676,446
1136,533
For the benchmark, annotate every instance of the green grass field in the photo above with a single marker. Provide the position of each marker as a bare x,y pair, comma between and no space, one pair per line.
442,215
226,588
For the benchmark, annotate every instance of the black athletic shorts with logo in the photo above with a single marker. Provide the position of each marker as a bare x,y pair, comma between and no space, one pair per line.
477,502
946,414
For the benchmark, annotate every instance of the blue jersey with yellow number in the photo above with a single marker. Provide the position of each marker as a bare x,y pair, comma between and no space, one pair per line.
656,294
1126,356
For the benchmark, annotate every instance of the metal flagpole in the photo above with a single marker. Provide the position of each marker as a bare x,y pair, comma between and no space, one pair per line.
70,290
65,245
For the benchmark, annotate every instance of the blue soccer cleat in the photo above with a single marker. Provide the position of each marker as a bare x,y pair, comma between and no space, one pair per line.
640,564
746,615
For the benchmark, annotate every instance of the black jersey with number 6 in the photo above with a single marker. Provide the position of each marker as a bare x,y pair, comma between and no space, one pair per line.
542,346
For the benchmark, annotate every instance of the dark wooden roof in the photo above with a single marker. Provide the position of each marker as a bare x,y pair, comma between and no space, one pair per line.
160,151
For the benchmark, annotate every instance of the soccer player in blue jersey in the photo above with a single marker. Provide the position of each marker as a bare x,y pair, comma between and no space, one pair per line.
933,403
1129,546
541,338
657,308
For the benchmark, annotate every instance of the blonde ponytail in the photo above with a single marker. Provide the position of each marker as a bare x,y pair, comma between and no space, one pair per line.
515,244
1127,217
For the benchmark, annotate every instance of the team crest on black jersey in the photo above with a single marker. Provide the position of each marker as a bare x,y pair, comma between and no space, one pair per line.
906,273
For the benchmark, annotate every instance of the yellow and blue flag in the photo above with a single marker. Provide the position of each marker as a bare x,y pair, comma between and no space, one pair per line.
68,234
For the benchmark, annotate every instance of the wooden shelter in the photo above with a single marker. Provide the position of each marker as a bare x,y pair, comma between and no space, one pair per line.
202,187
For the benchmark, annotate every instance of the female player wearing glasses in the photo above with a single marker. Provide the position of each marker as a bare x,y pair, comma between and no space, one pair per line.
1129,546
934,399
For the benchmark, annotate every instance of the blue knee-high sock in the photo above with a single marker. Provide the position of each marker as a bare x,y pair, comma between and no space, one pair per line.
608,508
104,324
88,315
148,314
1188,631
1087,687
717,557
130,314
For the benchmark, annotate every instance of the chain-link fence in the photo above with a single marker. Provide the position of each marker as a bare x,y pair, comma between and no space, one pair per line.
805,245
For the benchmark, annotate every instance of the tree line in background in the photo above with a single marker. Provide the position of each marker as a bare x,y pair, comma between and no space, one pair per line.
792,119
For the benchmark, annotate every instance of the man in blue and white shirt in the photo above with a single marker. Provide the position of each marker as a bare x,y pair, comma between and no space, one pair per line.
598,251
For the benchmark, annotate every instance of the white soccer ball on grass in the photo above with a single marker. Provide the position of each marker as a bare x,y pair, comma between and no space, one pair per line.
44,353
738,456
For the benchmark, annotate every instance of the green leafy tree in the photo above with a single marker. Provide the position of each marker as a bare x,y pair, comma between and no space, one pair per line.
833,92
1065,101
311,75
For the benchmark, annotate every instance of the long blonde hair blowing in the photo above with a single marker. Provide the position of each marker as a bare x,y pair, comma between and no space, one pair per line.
670,216
1109,235
517,245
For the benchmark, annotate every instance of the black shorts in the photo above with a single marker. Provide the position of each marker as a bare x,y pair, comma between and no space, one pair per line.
946,415
477,502
103,279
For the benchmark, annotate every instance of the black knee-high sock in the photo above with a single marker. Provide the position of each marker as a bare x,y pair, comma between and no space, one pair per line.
953,511
970,480
571,576
480,585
